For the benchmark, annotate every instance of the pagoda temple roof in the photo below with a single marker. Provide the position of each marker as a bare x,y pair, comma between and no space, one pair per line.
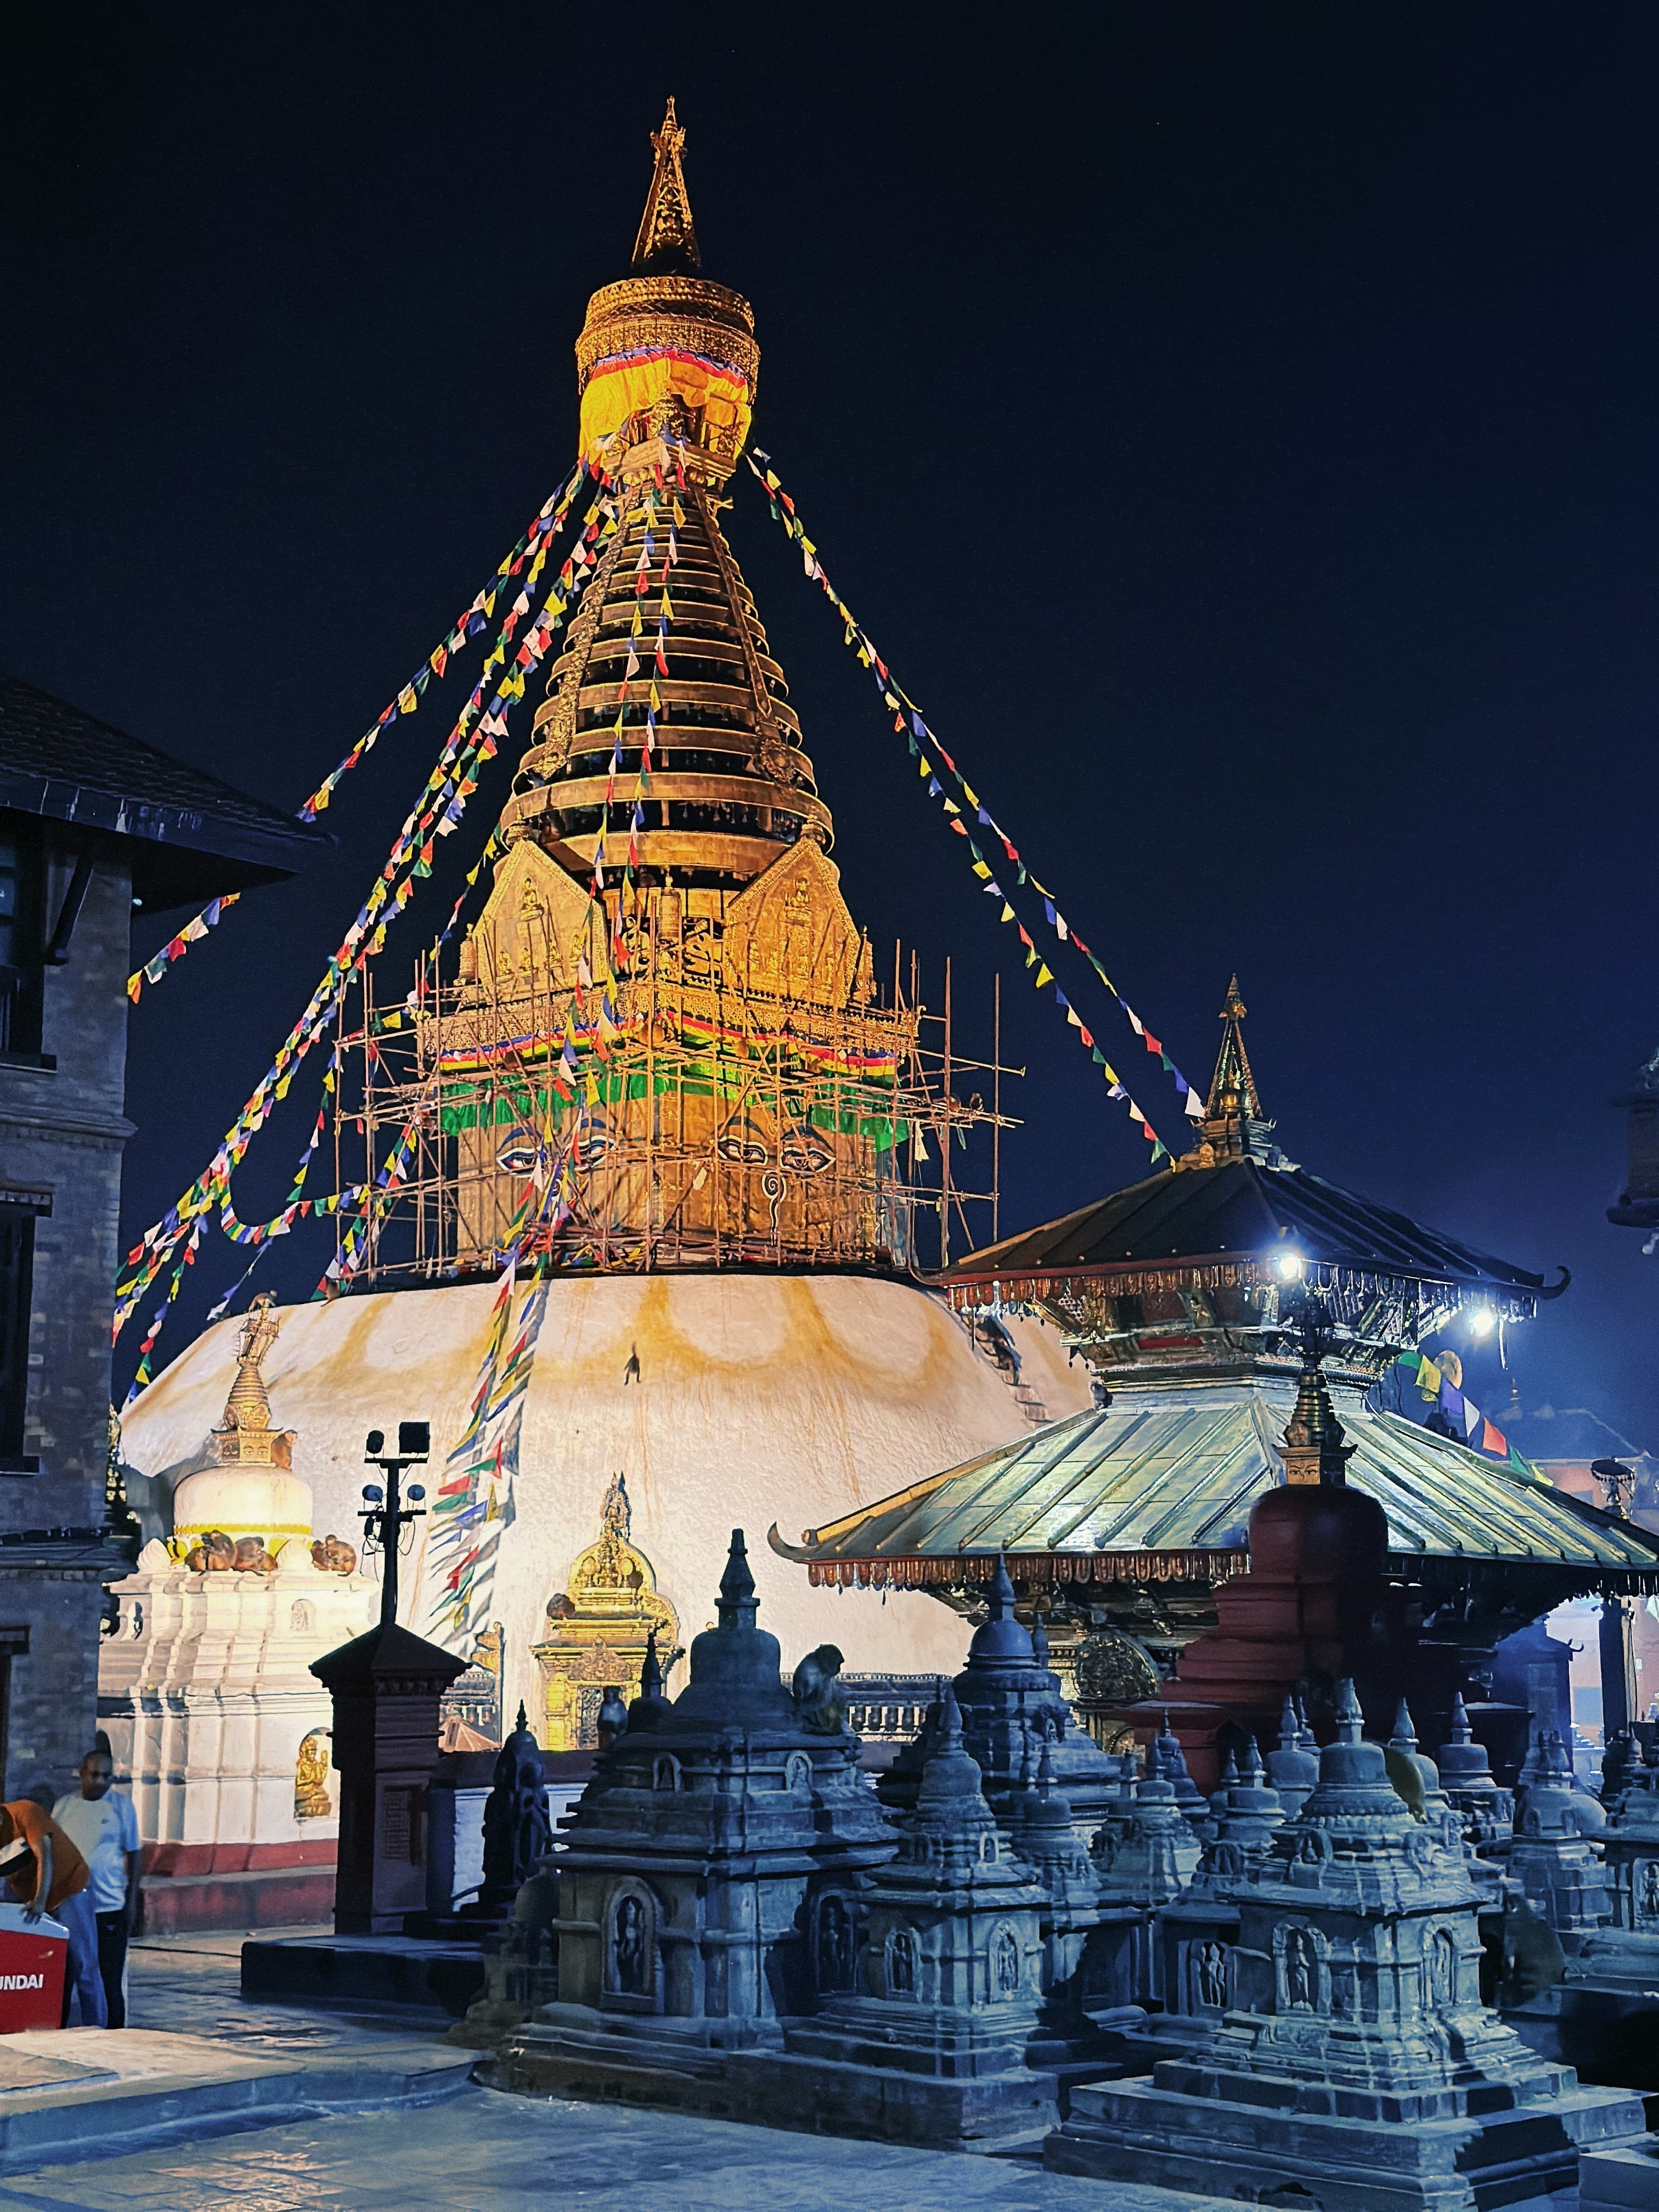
1239,1207
1230,1211
1158,1486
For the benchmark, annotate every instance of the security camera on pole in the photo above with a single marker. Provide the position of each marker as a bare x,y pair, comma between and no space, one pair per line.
386,1688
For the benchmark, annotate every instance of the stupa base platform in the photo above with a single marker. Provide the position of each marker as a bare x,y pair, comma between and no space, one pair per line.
1326,2161
764,2086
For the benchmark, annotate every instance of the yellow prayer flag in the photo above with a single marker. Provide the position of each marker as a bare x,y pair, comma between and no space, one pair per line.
1007,913
1043,976
981,871
406,700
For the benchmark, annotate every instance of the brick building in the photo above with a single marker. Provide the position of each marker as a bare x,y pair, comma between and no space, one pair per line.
93,826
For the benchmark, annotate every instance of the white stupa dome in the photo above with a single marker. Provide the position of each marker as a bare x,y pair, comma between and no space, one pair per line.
725,1400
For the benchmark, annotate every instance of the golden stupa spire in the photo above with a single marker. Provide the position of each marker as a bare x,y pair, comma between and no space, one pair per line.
245,1436
665,229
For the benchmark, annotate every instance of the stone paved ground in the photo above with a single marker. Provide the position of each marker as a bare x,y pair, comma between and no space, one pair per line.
483,2151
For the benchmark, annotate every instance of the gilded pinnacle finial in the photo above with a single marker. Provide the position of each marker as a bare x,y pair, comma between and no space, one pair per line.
1231,1126
245,1436
1315,1449
666,235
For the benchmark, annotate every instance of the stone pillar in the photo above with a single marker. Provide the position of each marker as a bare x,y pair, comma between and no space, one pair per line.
1618,1669
385,1686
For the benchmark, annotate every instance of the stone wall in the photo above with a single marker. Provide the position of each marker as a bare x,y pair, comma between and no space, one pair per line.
63,1131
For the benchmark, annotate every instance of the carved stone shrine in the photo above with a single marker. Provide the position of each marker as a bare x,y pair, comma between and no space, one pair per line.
1357,2070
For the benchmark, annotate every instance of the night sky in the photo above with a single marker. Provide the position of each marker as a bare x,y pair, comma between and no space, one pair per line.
1238,427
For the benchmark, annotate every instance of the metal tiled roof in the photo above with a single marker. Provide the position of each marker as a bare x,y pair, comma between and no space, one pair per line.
66,766
1177,1469
1241,1207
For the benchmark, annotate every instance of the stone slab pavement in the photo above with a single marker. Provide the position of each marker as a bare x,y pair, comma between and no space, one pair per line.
486,2152
461,2148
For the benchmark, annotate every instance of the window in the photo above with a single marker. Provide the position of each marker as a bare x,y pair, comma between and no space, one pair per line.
19,948
16,1286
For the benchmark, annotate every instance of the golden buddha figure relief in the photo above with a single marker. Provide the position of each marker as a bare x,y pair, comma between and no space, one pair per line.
312,1800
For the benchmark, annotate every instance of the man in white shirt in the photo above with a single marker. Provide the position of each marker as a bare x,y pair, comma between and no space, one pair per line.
104,1829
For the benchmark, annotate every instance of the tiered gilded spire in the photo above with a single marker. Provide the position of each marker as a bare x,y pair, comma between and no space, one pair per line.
245,1436
666,1042
730,785
666,238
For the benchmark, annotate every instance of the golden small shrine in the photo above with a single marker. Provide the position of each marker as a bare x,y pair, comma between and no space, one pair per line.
597,1629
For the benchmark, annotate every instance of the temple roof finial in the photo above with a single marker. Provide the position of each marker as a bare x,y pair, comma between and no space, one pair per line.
1232,1126
1315,1449
666,239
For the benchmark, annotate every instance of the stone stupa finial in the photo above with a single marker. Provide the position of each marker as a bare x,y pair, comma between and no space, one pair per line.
1349,1720
1001,1639
736,1604
649,1707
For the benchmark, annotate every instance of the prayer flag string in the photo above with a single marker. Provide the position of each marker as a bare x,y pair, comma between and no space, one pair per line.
534,546
436,812
941,774
1464,1419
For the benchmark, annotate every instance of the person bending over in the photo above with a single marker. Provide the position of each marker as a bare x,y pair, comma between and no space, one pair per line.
46,1873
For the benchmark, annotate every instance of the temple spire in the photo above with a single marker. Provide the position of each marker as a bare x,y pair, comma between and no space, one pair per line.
1232,1126
667,239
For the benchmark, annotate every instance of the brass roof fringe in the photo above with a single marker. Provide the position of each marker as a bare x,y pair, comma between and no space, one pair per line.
918,1573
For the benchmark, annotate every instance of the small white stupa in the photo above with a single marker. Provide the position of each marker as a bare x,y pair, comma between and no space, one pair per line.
205,1690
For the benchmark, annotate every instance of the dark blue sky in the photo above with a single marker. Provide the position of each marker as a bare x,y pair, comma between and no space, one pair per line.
1237,425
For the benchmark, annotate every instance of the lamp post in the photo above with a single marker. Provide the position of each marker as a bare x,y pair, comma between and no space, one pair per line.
384,1515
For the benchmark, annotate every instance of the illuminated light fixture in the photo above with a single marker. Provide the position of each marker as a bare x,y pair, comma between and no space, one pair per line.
1482,1320
1288,1265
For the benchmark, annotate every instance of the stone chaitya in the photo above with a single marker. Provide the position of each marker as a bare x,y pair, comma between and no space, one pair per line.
929,2044
1417,1778
1486,1810
1357,2071
1626,1950
1293,1769
712,1877
1012,1707
1552,1858
1195,1937
1077,2030
1144,1858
